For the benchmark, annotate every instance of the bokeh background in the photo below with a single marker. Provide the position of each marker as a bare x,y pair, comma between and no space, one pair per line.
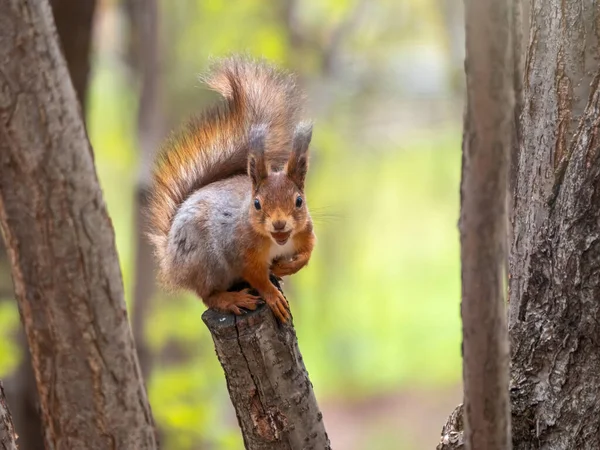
377,310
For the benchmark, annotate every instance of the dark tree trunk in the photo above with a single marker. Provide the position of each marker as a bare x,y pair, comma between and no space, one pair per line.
6,289
267,381
554,314
143,58
8,437
74,22
61,245
487,141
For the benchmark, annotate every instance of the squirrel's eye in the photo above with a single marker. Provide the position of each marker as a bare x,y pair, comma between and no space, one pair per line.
257,204
298,202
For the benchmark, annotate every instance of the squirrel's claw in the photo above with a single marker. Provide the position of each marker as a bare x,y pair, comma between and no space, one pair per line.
243,299
279,306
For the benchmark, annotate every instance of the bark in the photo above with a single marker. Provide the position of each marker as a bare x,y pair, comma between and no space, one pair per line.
8,438
6,289
520,36
555,283
61,245
486,147
22,396
143,57
554,314
74,22
453,436
267,381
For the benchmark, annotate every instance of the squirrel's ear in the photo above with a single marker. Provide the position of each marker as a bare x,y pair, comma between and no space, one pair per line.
257,168
297,166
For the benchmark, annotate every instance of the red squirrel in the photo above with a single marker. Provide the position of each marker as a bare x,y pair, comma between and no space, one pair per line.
227,202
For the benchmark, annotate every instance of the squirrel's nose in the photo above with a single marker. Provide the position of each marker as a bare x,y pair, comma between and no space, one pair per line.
279,225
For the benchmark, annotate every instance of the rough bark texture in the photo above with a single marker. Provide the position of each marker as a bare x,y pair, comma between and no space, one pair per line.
61,246
8,438
555,263
74,22
22,396
453,435
267,381
486,148
143,58
554,314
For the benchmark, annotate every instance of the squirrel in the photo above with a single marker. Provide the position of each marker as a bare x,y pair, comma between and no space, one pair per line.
227,201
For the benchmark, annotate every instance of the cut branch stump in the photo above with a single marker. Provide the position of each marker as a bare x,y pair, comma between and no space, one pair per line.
267,381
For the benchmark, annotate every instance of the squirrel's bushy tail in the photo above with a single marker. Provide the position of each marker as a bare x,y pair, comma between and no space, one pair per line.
214,146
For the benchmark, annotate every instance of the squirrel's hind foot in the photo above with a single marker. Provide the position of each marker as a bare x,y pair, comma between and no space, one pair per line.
233,301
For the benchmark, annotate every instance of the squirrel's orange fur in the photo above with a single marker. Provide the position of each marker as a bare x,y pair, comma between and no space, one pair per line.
186,200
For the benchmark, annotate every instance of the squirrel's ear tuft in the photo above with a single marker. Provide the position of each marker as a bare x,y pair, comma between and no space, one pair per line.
257,167
297,166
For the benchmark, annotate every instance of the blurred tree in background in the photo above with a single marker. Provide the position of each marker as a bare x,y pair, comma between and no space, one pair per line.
377,310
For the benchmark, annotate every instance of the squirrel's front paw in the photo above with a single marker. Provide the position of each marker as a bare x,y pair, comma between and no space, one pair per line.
278,304
283,267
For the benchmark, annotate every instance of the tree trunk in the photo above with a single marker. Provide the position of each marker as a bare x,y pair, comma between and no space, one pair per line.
267,381
74,23
143,58
555,280
486,149
61,245
8,437
554,314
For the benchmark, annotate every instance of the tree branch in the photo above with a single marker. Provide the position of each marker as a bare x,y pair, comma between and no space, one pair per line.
267,381
8,436
488,137
453,431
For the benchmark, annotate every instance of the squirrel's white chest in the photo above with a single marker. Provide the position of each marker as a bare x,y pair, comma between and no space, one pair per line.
278,251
